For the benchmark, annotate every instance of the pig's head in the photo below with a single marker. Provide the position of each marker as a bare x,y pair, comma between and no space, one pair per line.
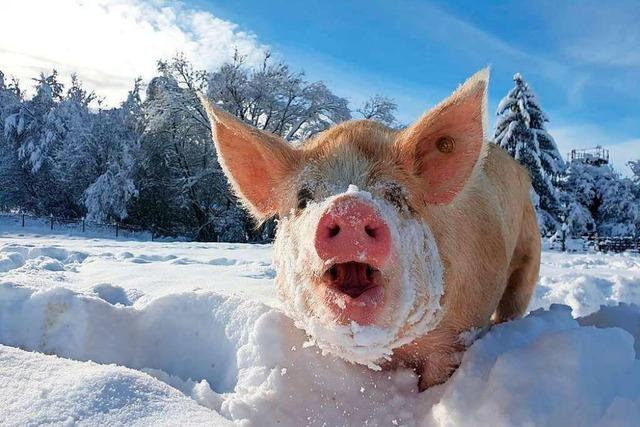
357,262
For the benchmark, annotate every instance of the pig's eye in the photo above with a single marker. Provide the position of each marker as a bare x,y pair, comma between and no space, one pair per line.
304,197
394,195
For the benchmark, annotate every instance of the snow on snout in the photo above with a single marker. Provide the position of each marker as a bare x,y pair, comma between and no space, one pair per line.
417,284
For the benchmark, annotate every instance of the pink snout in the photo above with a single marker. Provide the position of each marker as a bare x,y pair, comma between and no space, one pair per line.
351,230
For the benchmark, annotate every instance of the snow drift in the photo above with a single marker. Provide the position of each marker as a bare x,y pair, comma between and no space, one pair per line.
97,331
247,363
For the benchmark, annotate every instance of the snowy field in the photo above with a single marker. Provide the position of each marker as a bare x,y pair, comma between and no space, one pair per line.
96,331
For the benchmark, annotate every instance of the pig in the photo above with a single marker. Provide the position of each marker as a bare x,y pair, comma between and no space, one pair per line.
391,245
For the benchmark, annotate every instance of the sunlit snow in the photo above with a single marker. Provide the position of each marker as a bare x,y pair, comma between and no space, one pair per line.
98,331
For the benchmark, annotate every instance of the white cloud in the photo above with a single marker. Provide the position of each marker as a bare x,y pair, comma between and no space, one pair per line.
613,36
109,43
621,150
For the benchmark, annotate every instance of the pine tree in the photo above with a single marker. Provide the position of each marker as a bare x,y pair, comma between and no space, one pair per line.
521,131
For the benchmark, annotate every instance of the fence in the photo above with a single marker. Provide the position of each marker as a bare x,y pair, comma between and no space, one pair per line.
80,225
613,244
117,229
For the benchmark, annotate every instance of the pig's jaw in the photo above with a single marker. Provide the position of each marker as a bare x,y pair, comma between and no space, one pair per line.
365,331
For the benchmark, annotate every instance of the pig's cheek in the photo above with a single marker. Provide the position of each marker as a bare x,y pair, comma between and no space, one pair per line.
306,232
291,258
282,279
282,288
285,259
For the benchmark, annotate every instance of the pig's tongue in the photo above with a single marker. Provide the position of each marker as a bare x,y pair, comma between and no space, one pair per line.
353,278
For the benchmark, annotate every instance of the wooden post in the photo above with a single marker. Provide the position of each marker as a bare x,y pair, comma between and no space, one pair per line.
116,229
52,221
564,226
83,218
23,219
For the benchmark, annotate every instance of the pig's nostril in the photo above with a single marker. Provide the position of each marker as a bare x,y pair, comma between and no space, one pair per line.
371,232
352,230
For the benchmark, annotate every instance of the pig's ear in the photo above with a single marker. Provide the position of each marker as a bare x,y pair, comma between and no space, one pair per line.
257,164
445,145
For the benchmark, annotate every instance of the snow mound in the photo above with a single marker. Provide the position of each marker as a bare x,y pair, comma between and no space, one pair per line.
585,293
115,294
39,389
193,335
247,362
625,316
545,370
49,258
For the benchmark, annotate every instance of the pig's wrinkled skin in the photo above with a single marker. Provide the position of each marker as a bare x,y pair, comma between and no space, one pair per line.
474,200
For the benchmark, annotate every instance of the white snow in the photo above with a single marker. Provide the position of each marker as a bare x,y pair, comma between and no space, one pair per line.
102,332
39,389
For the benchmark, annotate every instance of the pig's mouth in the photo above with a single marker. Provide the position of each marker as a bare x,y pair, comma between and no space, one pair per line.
354,291
352,278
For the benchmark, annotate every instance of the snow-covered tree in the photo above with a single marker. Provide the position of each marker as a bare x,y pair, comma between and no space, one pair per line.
275,99
620,209
152,163
379,108
60,149
634,165
35,132
601,200
12,176
579,188
73,156
521,131
114,149
108,196
177,133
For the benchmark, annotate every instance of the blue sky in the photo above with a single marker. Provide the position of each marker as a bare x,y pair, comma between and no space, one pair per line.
581,58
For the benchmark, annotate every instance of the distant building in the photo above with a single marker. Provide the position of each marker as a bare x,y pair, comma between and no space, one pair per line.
596,156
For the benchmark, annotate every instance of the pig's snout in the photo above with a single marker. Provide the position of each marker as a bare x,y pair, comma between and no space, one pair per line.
351,230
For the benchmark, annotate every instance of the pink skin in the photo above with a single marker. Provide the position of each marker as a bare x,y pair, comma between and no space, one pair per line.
355,243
